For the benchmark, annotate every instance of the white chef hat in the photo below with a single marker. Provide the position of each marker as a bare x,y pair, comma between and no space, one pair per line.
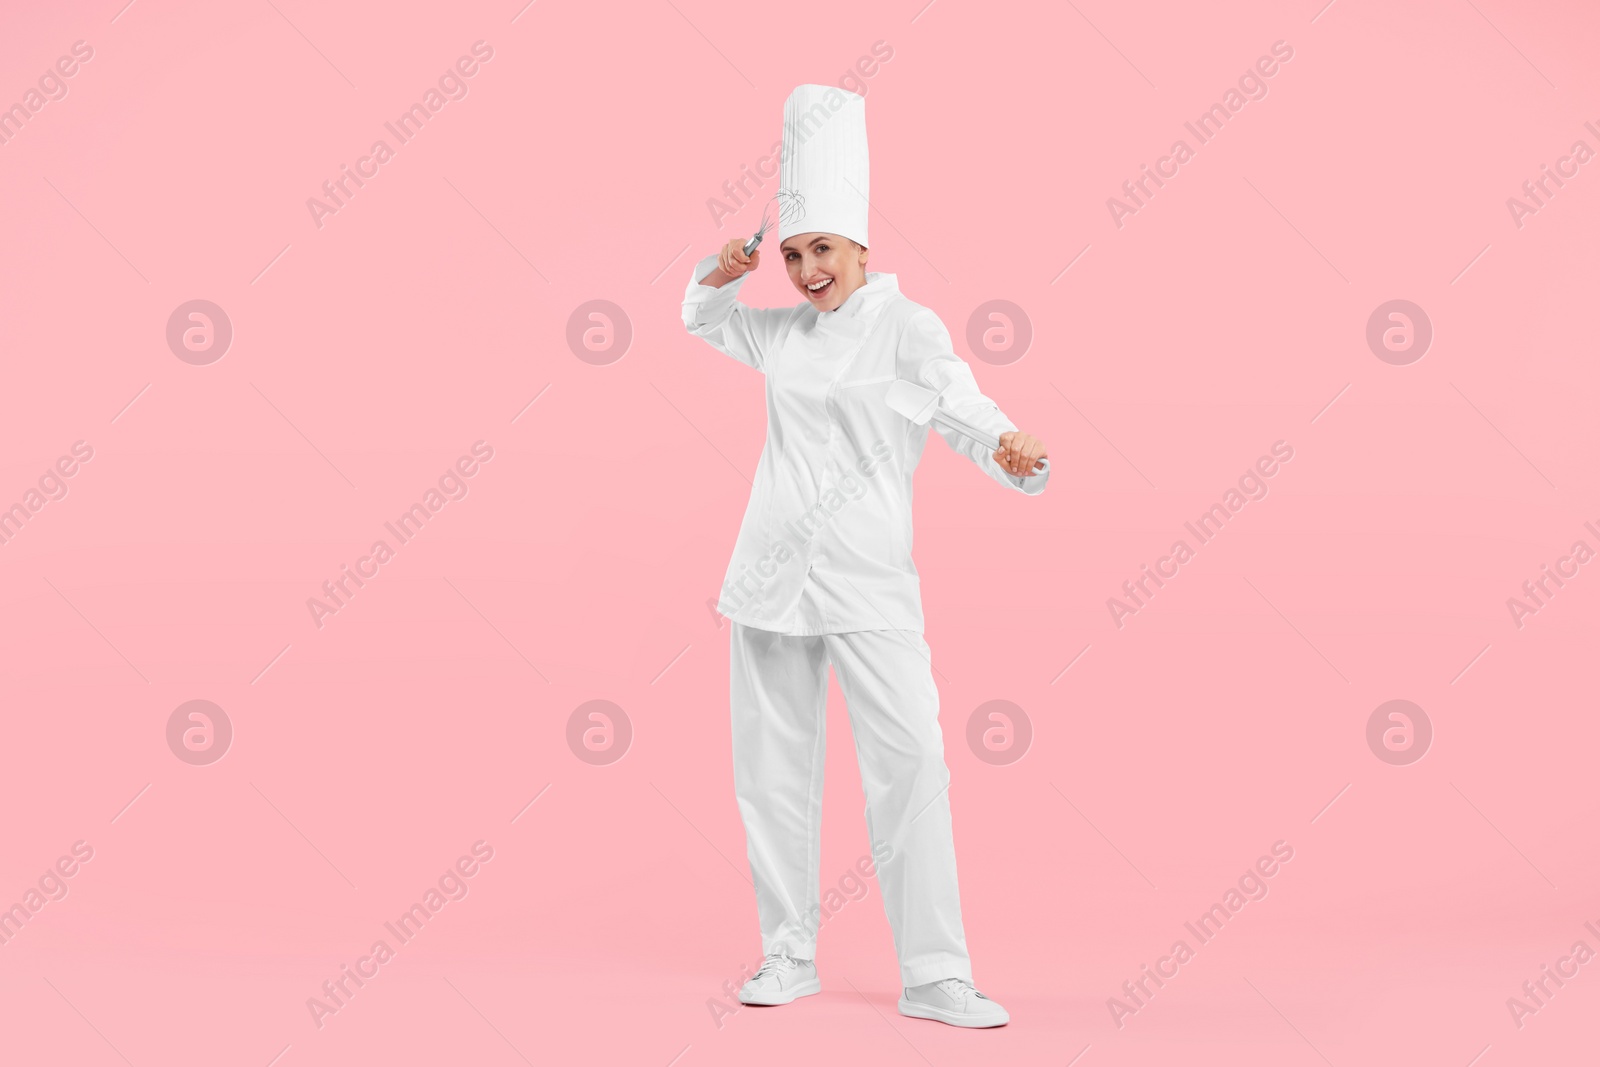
822,184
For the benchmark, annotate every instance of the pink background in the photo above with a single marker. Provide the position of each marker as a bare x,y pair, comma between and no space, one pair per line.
368,354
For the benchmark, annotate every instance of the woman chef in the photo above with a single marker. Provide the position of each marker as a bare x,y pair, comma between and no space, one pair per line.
822,574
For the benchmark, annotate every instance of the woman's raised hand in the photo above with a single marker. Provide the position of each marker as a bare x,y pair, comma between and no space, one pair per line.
733,262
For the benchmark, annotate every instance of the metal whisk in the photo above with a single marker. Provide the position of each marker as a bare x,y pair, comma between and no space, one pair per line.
750,245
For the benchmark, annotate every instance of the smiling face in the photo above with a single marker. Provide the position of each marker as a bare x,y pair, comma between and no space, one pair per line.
825,267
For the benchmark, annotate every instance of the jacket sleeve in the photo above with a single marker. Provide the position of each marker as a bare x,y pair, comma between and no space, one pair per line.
927,357
747,334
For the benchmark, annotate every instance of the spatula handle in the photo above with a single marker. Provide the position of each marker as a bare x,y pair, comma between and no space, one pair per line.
988,440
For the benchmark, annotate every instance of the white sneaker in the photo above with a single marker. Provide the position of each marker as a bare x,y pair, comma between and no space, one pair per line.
782,978
954,1001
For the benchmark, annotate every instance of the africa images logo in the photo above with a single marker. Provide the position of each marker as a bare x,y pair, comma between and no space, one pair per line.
1252,85
452,85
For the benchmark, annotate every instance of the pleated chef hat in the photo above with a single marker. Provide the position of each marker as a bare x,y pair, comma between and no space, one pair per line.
822,184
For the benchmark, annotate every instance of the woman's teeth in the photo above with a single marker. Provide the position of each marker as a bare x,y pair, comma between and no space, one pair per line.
818,287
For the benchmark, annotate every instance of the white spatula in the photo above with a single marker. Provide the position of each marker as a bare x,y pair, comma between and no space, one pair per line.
921,405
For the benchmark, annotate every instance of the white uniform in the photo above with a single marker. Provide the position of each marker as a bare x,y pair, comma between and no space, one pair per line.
822,572
825,546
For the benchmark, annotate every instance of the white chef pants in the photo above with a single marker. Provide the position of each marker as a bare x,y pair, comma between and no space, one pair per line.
779,692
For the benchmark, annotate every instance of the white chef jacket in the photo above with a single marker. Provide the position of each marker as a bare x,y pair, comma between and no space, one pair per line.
825,546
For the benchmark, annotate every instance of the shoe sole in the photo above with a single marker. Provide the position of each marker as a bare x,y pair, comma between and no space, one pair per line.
804,989
923,1011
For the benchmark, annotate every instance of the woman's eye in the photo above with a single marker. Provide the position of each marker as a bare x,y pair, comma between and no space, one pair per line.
821,248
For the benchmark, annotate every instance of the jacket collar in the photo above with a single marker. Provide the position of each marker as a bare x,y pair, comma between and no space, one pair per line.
853,319
866,300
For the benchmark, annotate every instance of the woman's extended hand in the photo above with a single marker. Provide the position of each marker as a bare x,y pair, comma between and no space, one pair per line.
1020,453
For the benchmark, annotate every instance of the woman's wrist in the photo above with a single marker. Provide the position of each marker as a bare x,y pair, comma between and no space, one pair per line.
718,278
